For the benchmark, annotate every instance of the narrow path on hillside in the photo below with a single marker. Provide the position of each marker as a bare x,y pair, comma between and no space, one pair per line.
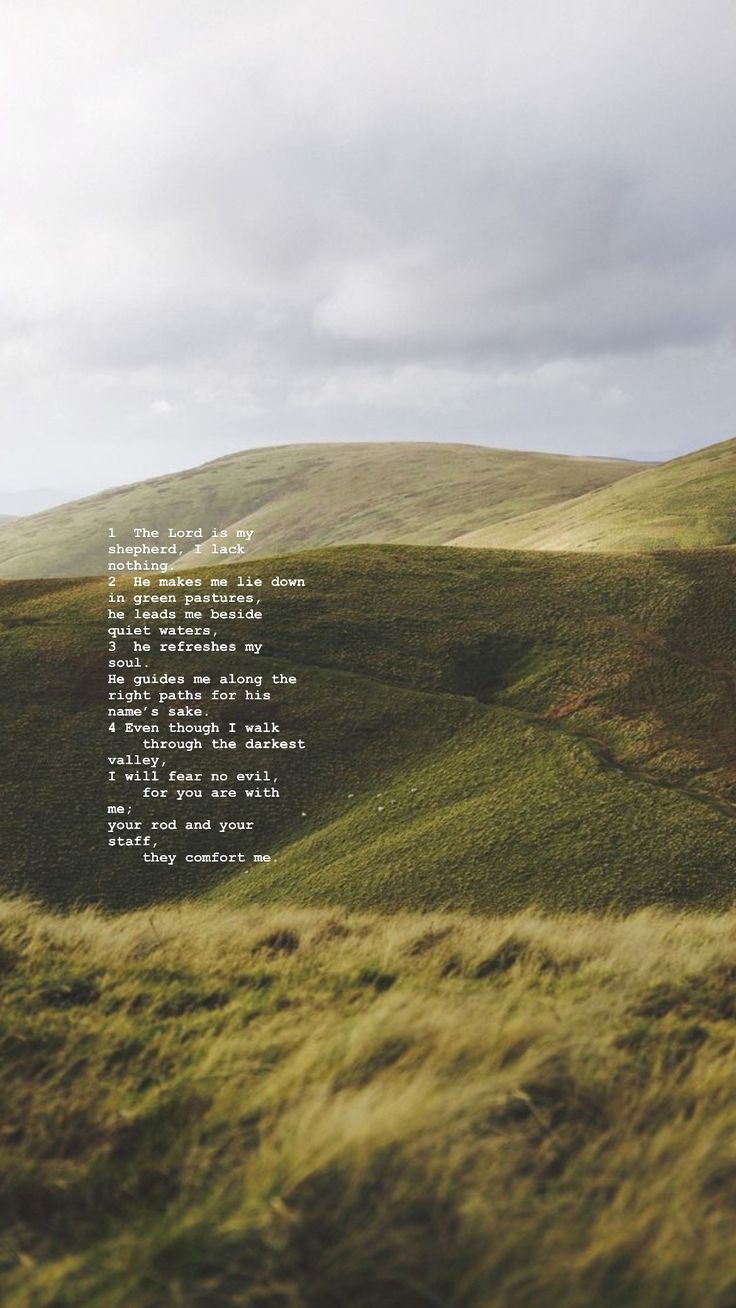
601,750
605,756
657,640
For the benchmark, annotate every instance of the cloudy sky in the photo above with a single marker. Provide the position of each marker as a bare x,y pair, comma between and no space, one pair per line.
230,223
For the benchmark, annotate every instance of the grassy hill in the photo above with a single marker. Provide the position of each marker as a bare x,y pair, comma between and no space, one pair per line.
485,730
306,496
306,1108
320,1081
689,502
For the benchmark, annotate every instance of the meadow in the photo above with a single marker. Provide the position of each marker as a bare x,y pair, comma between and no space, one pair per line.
295,1108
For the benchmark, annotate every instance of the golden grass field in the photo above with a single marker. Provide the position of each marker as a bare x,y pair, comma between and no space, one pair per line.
303,1108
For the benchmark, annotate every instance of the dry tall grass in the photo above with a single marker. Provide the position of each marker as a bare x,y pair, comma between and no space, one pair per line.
305,1109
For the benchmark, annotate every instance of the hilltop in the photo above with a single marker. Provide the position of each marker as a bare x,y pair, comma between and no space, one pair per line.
486,730
686,503
308,496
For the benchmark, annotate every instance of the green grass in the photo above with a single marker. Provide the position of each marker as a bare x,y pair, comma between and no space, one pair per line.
486,730
322,1082
303,496
288,1108
688,503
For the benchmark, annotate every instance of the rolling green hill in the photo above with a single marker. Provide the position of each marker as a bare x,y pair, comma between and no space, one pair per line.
306,496
689,502
485,730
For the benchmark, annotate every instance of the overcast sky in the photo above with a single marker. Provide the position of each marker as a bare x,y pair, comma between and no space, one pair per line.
229,223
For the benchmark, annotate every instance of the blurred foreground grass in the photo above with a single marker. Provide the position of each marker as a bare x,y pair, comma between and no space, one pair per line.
293,1108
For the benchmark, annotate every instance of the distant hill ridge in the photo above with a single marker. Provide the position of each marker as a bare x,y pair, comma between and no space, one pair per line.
309,496
687,503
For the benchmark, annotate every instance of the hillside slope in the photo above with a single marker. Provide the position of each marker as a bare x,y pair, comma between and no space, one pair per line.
306,496
687,503
485,730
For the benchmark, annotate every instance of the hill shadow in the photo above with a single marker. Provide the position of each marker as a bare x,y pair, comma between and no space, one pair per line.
488,665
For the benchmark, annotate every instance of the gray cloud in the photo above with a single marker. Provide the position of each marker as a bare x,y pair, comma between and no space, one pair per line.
288,219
